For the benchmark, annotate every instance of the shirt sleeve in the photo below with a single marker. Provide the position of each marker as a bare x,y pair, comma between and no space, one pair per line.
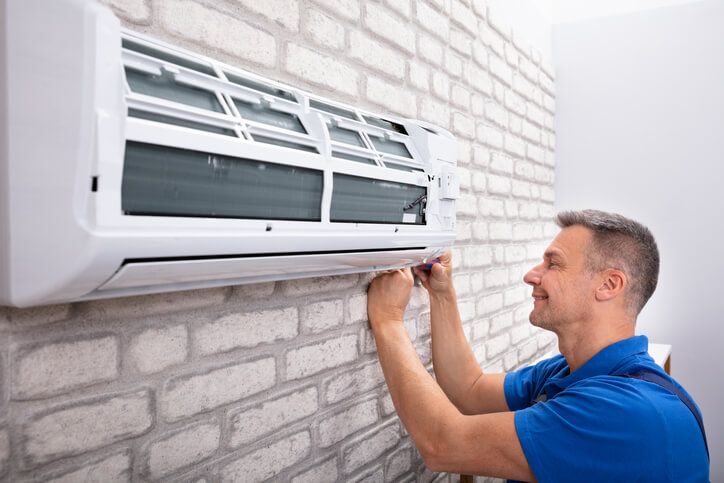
606,431
523,386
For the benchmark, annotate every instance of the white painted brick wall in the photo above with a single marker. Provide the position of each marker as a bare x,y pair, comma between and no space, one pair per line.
281,380
249,424
60,367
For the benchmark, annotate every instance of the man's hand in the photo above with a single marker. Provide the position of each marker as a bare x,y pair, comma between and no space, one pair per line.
437,280
388,296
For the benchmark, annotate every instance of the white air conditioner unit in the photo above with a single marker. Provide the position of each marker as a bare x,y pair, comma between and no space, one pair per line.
130,166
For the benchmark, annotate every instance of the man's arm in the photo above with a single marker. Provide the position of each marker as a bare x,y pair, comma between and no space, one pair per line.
456,370
447,440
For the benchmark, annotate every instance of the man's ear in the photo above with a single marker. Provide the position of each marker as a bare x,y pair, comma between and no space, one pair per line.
613,283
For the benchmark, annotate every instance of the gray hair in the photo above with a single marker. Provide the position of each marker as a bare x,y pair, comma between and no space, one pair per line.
621,243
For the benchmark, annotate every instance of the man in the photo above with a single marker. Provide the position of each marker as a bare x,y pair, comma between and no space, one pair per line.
589,414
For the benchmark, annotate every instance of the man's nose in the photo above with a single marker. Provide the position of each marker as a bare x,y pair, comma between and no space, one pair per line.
533,276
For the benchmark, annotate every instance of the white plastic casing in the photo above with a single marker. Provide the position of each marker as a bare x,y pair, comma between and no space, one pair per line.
64,236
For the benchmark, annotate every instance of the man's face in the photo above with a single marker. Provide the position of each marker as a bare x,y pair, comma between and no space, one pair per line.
563,290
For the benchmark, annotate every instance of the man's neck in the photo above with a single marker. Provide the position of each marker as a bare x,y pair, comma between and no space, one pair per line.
578,345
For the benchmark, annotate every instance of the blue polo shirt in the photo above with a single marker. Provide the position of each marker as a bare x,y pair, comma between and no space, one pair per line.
594,426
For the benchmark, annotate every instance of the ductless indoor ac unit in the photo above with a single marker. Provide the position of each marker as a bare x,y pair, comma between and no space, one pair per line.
131,166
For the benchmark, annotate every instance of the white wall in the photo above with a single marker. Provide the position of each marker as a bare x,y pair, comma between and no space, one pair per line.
640,123
530,19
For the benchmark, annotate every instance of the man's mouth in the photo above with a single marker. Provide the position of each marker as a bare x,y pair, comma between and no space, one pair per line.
539,297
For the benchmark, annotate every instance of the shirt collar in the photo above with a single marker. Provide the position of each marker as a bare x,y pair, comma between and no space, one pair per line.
607,361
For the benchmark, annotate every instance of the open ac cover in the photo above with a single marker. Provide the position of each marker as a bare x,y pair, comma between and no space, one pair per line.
130,166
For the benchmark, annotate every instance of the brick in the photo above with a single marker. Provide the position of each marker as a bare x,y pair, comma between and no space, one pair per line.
190,20
156,349
490,304
251,423
358,308
453,64
535,153
479,182
321,316
515,124
186,395
354,382
441,85
463,15
389,27
461,42
461,282
246,330
370,475
321,69
500,69
511,208
182,448
489,207
525,170
386,405
530,132
480,232
419,75
534,114
323,29
514,145
320,356
110,469
57,368
498,185
527,350
434,22
84,426
435,112
391,97
495,113
510,361
547,194
547,84
397,464
429,49
325,472
514,253
336,427
480,53
463,125
347,9
478,256
521,189
492,39
467,310
269,461
501,322
511,55
135,11
460,96
478,79
370,446
500,163
529,211
490,136
519,333
280,11
497,345
498,24
496,277
307,286
377,56
480,7
4,449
